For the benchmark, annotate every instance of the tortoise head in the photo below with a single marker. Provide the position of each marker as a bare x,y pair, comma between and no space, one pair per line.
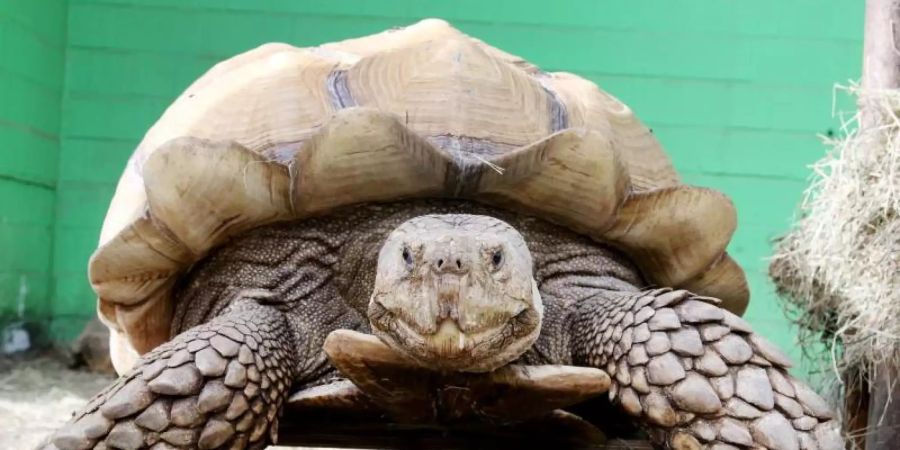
456,293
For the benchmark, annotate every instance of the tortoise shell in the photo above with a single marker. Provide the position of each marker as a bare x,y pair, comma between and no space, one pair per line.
282,133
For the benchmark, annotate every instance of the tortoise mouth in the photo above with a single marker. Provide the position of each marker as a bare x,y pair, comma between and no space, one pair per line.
449,348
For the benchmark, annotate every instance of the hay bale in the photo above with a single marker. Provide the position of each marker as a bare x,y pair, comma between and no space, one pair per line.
840,265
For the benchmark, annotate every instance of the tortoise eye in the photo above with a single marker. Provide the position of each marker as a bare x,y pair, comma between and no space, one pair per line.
407,257
497,259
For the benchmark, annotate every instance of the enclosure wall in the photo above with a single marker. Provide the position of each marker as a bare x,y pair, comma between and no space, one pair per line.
32,61
736,91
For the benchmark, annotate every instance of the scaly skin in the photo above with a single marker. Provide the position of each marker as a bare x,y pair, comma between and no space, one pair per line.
218,385
694,376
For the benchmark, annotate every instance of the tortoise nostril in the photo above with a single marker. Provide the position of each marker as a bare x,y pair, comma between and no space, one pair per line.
449,264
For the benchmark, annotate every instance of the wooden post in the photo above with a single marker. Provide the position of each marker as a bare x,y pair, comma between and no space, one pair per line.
881,70
881,54
884,410
856,407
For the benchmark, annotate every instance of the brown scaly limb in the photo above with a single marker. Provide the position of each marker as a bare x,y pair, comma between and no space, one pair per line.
219,383
696,375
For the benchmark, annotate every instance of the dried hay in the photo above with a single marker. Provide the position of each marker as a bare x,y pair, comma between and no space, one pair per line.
840,265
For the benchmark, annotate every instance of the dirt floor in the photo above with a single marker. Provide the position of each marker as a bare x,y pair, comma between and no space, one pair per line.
38,394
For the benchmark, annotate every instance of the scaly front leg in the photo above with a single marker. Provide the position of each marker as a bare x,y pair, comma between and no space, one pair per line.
218,385
697,375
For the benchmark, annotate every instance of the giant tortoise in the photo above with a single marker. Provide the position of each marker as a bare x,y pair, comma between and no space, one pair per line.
420,224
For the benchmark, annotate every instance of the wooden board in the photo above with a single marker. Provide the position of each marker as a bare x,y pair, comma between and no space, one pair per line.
337,430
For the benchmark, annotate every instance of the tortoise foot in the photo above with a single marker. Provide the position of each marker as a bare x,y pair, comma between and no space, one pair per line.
698,377
218,385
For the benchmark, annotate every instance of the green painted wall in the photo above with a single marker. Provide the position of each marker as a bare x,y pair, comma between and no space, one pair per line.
32,61
736,91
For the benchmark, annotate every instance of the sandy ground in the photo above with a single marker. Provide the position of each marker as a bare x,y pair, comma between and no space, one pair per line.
38,394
